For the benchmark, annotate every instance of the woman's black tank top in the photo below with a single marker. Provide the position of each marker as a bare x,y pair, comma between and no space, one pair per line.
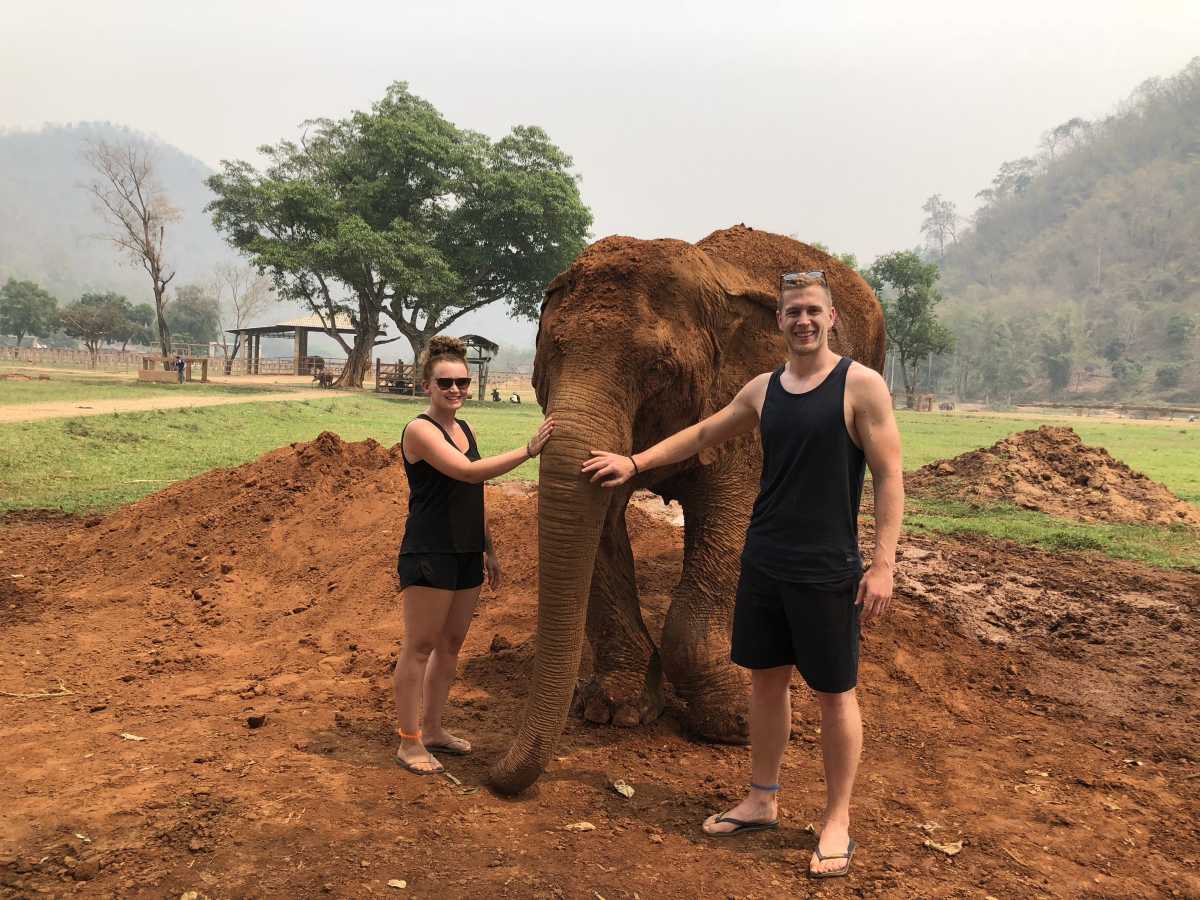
445,515
804,527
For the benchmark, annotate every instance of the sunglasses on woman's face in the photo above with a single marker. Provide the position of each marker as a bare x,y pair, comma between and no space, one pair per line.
446,383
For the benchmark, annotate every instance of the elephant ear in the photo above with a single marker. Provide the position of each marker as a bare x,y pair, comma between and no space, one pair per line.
728,313
738,287
723,303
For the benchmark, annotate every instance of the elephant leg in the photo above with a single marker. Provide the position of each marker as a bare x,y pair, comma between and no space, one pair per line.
626,683
716,501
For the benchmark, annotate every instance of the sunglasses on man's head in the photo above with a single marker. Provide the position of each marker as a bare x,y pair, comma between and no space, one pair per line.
791,279
446,383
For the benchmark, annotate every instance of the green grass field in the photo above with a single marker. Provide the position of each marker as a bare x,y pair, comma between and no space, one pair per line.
99,462
60,389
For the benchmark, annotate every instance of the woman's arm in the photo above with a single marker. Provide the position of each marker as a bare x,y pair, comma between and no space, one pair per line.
424,441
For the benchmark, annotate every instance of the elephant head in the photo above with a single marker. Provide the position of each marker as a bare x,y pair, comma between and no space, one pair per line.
637,340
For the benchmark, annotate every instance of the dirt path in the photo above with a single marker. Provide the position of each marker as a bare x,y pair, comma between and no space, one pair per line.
1039,708
32,412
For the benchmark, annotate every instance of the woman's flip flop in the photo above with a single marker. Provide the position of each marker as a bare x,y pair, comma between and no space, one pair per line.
458,748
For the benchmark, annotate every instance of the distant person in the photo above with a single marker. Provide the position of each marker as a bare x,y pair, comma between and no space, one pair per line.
180,365
446,549
495,395
802,591
514,397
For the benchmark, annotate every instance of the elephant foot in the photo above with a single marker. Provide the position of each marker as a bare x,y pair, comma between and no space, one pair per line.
719,711
604,699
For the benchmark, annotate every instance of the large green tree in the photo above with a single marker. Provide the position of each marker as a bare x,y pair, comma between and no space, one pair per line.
907,287
94,319
125,322
397,214
194,316
26,308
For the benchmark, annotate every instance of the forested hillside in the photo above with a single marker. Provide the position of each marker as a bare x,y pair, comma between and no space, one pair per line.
48,227
1080,273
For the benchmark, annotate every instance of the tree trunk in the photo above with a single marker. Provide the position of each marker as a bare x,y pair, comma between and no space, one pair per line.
164,332
358,360
909,376
571,515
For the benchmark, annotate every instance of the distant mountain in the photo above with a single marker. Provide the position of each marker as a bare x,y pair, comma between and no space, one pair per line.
1080,275
48,227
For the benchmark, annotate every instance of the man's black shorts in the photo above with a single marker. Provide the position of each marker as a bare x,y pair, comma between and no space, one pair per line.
811,626
444,571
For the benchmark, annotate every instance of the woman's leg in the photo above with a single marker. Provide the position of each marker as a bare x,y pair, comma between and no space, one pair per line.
443,663
425,613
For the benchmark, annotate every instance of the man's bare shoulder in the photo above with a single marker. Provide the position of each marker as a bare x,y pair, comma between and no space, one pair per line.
755,389
858,374
863,377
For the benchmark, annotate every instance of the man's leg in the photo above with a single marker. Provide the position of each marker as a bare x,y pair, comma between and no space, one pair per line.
770,728
841,746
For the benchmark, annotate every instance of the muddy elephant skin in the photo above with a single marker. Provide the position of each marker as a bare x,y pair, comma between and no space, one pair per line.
639,339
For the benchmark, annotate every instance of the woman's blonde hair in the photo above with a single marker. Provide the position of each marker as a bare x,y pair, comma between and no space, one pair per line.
442,347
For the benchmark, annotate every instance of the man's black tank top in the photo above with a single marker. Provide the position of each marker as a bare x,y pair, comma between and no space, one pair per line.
445,515
804,527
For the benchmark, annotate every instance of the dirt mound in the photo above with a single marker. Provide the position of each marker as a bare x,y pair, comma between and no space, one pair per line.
1052,471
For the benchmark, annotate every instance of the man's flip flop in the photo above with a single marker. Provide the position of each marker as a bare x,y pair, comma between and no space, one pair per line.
834,873
413,768
740,826
451,749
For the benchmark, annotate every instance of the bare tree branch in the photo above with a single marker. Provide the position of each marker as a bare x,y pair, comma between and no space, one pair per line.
131,201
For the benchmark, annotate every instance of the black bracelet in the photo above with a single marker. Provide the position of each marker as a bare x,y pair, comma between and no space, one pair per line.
636,470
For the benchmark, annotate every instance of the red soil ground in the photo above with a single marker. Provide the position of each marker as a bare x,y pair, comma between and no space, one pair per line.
1051,470
1041,709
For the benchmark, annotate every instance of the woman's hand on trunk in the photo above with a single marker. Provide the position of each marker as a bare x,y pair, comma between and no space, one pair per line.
538,441
610,469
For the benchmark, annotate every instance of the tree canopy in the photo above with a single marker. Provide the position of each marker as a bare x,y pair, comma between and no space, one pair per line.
907,287
25,308
194,316
397,214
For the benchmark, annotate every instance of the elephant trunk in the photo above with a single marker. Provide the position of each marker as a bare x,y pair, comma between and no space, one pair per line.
571,513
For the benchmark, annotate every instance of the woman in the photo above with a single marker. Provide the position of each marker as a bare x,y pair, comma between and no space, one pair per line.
446,548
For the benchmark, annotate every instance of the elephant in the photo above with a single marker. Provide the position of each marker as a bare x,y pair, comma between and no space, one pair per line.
638,339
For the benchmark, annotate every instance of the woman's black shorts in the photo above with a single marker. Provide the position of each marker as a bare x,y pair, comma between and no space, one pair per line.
811,626
444,571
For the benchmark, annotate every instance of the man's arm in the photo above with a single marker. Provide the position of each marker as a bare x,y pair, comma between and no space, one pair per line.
738,417
875,425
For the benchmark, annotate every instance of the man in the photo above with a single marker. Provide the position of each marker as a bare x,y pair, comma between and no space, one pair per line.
802,593
180,365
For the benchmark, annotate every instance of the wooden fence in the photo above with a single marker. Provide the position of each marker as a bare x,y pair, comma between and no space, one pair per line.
106,360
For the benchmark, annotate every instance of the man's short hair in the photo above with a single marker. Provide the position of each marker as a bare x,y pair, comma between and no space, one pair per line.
800,282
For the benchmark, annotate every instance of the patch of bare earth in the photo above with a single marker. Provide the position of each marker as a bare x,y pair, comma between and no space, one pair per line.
1039,708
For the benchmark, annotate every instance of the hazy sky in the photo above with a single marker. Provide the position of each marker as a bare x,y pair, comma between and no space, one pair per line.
833,121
